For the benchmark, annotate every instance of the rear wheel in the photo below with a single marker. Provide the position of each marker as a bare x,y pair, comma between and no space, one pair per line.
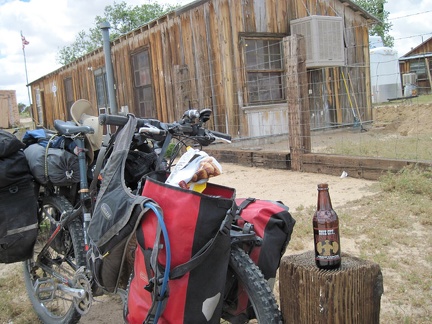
65,255
248,297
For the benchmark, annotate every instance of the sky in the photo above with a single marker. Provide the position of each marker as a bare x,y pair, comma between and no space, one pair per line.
49,25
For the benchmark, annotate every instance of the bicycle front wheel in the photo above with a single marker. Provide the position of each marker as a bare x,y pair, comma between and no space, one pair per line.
65,256
248,297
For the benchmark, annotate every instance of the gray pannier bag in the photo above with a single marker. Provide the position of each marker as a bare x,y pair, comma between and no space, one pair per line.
53,165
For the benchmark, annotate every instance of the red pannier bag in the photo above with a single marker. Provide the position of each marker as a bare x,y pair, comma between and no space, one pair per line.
271,222
198,226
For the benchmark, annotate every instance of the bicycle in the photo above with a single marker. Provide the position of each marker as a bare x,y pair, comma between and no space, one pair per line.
59,279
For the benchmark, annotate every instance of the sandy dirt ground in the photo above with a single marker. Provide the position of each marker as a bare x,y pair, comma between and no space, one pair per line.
295,189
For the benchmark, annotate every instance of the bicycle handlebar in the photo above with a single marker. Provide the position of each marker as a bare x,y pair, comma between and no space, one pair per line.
119,120
185,127
221,135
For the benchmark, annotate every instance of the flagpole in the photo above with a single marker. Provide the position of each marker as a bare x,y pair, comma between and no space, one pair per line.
28,89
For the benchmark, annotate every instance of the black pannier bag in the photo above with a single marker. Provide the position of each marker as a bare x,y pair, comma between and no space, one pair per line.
53,165
9,144
13,164
18,220
14,168
137,165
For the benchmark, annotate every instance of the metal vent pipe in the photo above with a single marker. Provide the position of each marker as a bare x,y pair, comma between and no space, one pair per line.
105,26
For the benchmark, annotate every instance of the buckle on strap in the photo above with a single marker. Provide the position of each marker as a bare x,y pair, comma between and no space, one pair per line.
243,205
225,227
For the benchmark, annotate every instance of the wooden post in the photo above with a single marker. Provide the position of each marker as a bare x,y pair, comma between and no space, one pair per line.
298,100
350,294
428,72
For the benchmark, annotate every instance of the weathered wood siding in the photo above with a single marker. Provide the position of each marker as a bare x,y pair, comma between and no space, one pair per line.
196,61
52,91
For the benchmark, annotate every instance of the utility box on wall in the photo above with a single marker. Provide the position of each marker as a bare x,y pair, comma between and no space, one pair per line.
409,78
324,40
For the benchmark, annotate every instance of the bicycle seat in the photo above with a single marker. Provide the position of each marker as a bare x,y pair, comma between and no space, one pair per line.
70,128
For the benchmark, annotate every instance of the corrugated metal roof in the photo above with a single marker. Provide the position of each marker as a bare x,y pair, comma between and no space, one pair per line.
423,55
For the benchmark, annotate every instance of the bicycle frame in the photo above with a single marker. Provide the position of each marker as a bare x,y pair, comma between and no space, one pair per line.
82,211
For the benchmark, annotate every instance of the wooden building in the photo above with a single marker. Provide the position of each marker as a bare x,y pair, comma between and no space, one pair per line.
226,55
418,61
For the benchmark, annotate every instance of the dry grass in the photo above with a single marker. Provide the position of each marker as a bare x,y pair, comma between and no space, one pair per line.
15,308
393,229
395,147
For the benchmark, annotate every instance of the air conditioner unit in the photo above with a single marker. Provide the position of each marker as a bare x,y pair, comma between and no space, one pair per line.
324,40
409,78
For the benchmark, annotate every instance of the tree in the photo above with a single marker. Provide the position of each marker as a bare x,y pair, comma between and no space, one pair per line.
376,8
122,19
22,107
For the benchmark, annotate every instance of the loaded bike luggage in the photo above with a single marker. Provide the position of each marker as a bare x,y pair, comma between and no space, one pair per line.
63,276
18,220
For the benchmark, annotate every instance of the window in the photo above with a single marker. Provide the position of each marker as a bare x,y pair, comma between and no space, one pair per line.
264,70
40,106
68,95
143,90
102,98
418,67
101,91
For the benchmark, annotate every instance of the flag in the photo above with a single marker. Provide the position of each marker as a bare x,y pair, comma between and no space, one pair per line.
24,41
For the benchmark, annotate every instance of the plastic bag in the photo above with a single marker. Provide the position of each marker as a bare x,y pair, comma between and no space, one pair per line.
193,170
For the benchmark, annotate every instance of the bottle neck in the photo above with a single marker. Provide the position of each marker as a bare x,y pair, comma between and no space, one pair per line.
324,202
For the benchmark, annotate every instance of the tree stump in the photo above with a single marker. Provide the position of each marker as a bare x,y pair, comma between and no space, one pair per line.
350,294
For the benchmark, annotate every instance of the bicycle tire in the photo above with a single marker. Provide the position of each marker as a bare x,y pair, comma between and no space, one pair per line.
245,276
67,255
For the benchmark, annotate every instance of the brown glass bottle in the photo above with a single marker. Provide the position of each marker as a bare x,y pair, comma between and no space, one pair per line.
326,232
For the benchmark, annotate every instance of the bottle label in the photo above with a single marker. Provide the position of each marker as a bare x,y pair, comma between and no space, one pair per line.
327,244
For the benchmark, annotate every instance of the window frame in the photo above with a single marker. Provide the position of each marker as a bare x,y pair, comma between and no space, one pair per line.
143,91
102,99
418,66
278,72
